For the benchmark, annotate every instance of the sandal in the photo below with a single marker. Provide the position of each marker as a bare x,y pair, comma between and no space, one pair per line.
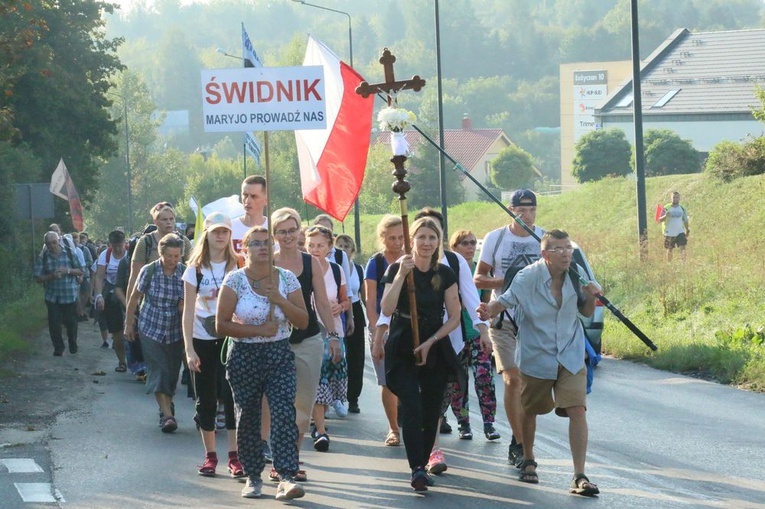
301,476
580,485
169,424
274,475
235,468
393,438
529,476
121,368
208,467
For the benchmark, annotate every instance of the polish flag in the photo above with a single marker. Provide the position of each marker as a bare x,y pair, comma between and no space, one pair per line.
332,160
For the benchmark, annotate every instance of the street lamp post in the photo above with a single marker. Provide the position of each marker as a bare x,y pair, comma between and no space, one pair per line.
127,162
356,212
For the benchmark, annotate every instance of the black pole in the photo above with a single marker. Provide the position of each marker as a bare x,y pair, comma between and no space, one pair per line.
129,170
637,108
356,210
441,161
626,321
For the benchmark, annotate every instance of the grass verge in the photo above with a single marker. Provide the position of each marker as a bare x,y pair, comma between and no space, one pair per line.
20,319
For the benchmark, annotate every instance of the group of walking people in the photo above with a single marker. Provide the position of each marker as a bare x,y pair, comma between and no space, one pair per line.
274,335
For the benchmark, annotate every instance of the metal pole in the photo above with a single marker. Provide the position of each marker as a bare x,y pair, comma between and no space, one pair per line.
129,170
441,161
356,211
637,108
244,154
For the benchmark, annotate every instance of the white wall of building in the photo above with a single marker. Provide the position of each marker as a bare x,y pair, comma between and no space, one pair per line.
703,135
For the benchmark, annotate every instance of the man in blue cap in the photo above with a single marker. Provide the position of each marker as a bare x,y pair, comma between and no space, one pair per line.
506,251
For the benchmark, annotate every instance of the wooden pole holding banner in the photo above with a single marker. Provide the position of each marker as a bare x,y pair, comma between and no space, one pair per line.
268,221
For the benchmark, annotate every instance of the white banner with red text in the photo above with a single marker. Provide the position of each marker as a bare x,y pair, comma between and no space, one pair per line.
263,99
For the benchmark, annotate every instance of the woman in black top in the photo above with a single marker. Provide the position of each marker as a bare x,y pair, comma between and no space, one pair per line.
418,376
307,344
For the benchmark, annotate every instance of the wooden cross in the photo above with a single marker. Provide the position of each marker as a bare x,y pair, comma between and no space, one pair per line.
390,87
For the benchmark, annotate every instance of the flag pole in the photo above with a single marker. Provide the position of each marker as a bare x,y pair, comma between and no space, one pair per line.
268,218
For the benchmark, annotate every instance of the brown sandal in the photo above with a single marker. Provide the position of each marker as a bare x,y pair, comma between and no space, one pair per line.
393,438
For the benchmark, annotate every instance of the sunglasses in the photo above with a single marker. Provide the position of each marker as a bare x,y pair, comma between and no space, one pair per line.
468,242
321,229
161,205
258,243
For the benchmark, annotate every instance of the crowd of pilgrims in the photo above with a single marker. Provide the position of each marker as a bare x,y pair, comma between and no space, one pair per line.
269,322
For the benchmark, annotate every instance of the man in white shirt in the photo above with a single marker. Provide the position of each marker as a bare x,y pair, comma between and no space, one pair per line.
254,201
505,251
106,301
676,229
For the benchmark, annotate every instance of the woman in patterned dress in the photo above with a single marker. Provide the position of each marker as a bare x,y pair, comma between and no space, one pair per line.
256,306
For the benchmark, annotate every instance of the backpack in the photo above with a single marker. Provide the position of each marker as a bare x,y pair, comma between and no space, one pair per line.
152,269
454,263
69,254
339,257
336,273
379,267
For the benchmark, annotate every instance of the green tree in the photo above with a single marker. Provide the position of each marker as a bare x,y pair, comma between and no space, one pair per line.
59,100
513,168
601,154
425,179
668,154
129,96
376,196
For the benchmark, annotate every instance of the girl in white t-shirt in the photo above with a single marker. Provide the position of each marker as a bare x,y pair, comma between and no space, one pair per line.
211,259
333,384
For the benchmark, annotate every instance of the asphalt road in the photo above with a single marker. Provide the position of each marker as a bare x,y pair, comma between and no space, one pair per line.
657,440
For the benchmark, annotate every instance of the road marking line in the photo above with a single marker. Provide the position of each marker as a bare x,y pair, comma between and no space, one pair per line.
35,492
21,465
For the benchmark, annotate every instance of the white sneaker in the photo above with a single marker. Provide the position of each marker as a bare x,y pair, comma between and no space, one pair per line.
340,409
252,488
288,489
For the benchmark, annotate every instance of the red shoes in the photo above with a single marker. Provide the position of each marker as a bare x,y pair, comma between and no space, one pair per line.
208,467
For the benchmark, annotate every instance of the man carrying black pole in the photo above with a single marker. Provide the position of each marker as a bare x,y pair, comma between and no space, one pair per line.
550,353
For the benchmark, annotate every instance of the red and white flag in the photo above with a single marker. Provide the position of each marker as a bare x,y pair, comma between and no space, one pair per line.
62,186
332,160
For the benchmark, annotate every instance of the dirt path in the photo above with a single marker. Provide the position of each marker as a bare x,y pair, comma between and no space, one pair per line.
37,387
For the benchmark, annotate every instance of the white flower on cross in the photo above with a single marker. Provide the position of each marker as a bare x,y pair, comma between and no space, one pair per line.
395,119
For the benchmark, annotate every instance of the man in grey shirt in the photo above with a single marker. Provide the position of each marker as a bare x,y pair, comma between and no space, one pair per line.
550,350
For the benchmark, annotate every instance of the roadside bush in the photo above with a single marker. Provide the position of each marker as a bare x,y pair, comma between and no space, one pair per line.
668,154
730,160
600,154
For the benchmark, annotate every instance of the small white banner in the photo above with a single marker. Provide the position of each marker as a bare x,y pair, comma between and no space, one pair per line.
263,99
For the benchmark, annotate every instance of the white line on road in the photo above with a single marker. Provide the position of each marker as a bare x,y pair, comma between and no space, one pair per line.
21,465
37,492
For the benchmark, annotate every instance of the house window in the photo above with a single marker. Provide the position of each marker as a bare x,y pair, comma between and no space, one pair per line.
487,169
667,97
625,102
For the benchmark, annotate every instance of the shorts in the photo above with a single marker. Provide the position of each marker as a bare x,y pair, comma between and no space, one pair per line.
380,365
114,316
503,341
539,396
679,241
